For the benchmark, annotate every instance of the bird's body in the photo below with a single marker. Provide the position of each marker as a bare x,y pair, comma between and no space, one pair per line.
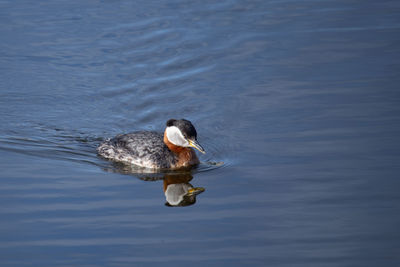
171,150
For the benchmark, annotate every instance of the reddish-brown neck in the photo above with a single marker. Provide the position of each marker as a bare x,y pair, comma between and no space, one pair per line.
174,148
186,155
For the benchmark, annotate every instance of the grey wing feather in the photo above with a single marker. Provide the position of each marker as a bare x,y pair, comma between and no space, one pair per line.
141,148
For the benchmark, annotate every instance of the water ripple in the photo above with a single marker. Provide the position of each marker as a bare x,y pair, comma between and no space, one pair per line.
53,144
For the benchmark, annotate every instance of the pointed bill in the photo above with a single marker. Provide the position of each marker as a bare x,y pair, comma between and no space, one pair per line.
195,144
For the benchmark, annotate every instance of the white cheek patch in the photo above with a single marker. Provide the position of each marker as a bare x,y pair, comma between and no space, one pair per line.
175,136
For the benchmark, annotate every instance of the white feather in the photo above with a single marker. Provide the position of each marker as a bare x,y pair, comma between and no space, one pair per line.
175,192
175,136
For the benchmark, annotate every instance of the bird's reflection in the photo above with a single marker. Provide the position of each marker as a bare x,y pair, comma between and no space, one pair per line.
177,189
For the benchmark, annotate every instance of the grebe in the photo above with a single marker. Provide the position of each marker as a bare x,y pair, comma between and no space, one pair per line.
171,150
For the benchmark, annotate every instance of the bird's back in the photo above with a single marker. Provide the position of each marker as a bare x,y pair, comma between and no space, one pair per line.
144,148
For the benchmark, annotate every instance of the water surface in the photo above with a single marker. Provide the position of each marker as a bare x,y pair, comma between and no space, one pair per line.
299,99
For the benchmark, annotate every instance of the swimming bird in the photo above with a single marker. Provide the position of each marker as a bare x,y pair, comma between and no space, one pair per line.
149,149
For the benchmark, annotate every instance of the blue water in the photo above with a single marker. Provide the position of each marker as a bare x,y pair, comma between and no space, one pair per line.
299,100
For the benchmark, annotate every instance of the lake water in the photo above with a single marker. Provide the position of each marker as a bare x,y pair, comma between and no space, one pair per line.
299,100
